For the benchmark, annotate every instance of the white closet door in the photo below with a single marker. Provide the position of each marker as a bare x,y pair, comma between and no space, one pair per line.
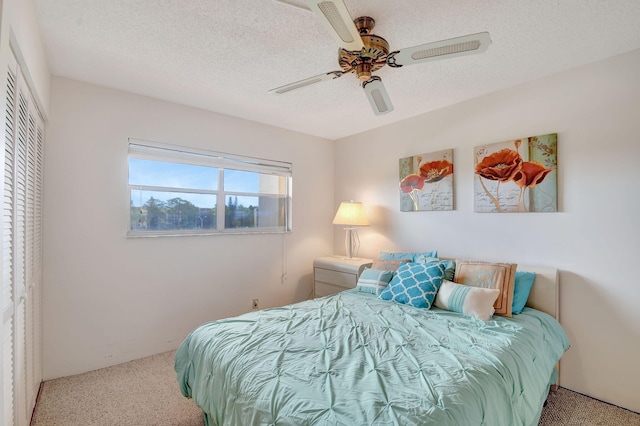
21,284
7,305
19,258
33,266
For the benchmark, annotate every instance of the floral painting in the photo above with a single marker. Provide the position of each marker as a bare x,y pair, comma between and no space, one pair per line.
426,182
517,176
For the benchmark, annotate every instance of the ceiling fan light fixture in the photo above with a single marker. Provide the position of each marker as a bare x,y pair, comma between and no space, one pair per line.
363,71
361,52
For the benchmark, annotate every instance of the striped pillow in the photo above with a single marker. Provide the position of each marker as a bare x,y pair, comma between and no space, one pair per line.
467,300
373,280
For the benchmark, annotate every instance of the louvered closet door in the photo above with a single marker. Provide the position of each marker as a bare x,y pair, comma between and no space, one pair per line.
22,258
19,264
7,252
33,257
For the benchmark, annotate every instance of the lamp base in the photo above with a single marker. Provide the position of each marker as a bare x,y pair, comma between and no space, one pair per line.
351,242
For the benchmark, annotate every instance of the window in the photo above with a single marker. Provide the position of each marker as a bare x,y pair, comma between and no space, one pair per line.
180,191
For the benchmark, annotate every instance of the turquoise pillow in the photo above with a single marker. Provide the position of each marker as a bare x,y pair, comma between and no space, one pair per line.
415,284
449,269
449,265
373,280
521,289
385,255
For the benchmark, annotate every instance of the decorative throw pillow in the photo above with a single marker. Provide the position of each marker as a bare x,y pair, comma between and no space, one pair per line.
421,258
489,275
473,301
417,257
521,289
415,284
388,265
373,280
450,268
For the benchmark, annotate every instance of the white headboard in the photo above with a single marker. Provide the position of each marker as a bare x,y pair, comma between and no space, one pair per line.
545,293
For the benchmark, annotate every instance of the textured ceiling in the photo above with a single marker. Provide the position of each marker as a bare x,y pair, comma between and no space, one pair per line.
224,55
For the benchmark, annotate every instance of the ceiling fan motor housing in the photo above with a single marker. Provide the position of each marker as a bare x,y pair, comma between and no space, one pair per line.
372,57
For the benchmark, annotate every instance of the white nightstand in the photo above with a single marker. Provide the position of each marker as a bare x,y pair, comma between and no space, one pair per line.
332,274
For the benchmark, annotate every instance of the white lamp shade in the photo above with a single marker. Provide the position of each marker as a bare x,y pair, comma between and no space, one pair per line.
351,214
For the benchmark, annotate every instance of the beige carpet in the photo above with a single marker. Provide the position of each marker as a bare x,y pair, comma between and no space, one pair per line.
568,408
145,393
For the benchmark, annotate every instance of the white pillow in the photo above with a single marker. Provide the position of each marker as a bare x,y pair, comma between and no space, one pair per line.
467,300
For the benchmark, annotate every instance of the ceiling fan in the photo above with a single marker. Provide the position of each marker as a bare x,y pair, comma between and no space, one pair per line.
362,52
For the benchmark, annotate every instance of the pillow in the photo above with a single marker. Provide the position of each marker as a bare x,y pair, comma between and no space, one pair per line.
388,265
413,257
415,284
489,275
473,301
449,269
423,258
373,280
521,289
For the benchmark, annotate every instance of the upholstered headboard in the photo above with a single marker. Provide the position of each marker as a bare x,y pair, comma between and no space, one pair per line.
545,293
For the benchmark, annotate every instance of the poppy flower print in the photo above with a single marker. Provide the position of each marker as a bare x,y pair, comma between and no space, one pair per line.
426,182
517,176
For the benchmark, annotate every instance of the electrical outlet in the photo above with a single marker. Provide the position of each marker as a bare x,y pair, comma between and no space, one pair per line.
256,304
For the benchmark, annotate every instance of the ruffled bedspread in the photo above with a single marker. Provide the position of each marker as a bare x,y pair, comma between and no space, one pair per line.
353,359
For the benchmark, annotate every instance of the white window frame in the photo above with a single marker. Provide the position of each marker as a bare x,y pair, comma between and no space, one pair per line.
147,150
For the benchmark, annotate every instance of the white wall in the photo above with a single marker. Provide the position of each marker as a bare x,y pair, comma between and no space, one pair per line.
594,239
110,299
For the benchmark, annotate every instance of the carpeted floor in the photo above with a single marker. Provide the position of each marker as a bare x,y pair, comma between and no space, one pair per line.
145,393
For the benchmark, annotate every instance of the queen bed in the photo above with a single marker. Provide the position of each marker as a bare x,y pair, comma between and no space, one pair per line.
354,359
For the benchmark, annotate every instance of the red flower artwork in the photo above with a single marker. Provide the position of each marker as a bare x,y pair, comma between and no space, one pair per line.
506,178
500,166
421,179
531,174
411,182
435,171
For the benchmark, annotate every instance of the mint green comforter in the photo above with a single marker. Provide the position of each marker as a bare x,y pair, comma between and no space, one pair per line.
353,359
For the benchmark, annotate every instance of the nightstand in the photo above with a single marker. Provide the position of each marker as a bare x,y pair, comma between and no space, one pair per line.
332,274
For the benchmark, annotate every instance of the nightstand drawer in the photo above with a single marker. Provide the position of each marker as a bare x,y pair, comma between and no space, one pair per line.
333,274
335,278
324,289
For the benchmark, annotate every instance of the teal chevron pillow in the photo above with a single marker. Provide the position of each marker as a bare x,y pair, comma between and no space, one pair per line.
473,301
415,284
373,280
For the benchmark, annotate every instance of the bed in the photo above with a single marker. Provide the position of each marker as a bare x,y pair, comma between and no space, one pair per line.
354,359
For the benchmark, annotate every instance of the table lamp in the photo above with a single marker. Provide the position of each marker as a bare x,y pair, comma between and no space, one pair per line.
351,214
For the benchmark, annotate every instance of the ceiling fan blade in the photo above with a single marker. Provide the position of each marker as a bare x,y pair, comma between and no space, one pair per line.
443,49
377,95
335,16
306,82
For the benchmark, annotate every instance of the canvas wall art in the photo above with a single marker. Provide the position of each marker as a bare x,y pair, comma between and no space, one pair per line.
517,176
426,182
